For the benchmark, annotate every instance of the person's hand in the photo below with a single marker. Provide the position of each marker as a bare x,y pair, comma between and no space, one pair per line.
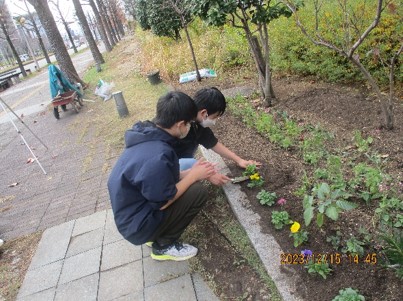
218,179
244,163
202,169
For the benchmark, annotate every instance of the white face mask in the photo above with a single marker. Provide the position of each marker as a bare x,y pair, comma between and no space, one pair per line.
206,123
183,135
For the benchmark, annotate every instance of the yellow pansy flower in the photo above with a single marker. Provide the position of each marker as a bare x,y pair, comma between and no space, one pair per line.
295,227
254,176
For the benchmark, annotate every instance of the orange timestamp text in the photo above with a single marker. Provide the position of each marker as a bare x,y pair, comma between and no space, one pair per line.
328,258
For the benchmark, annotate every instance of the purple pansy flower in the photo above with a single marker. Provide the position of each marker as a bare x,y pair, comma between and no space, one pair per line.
306,253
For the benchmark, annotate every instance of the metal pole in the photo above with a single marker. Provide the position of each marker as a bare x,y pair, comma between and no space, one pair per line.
18,117
22,137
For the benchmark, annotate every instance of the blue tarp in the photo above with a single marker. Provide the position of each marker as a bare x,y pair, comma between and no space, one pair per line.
59,83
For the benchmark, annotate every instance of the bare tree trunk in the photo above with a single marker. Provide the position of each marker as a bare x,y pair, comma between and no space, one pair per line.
101,26
96,54
14,51
38,34
106,23
66,27
262,65
115,13
198,77
387,111
55,39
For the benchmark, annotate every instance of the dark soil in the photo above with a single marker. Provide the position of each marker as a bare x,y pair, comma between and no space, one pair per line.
340,110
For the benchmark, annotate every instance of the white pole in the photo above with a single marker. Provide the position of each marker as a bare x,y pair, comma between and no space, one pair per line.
23,139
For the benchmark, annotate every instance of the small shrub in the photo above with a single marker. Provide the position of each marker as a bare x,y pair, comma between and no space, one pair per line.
348,294
279,219
299,237
266,197
393,251
354,247
335,240
321,269
361,143
325,202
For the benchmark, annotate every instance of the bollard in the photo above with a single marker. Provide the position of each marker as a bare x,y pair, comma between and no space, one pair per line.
120,104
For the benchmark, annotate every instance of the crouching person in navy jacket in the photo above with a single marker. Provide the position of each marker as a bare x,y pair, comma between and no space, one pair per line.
152,200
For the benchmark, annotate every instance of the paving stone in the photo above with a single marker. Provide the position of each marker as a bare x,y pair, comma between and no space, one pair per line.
161,271
74,216
53,245
47,295
130,281
203,291
84,242
85,288
40,279
119,253
81,265
112,235
178,289
89,223
146,251
137,296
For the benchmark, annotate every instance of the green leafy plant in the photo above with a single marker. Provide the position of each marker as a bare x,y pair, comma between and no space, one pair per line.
335,172
365,235
354,247
326,203
348,294
361,143
312,147
255,181
300,237
388,212
250,170
305,186
266,197
367,182
292,129
264,123
321,269
321,173
279,219
335,240
393,251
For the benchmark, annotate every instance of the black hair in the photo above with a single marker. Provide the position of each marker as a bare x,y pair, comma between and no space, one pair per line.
173,107
210,99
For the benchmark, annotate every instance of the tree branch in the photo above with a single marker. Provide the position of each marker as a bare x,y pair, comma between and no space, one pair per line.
369,29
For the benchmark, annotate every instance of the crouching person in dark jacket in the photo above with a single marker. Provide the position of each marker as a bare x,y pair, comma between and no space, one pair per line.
152,200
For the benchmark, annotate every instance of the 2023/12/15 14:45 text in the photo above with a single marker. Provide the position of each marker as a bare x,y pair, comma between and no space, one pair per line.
329,258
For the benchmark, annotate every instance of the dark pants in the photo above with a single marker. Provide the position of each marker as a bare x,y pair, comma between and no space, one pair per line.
179,215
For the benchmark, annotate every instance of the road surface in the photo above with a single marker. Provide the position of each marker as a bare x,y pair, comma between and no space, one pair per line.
33,95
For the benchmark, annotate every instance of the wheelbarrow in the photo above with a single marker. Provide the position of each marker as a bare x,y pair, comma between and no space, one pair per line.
70,97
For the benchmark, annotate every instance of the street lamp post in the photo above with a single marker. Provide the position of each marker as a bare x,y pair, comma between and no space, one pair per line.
22,22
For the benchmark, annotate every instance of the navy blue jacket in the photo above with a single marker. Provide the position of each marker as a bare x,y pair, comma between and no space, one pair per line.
142,181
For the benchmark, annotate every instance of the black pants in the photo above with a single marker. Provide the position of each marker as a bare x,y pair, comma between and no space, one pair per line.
179,215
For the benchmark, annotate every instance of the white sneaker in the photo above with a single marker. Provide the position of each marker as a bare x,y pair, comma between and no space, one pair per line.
177,252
